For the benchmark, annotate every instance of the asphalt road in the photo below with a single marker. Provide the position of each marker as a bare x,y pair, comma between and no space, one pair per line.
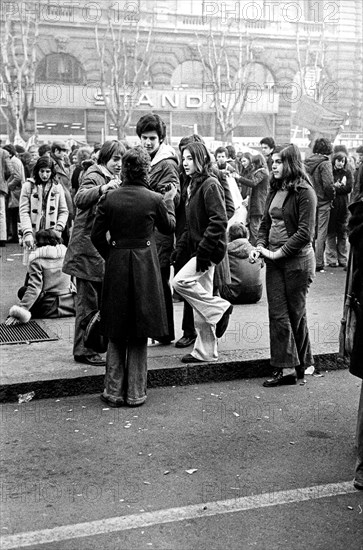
269,468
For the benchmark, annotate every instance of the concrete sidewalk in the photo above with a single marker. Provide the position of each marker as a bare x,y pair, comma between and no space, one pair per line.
48,368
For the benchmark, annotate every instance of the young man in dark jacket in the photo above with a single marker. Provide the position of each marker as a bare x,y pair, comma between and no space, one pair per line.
319,168
163,173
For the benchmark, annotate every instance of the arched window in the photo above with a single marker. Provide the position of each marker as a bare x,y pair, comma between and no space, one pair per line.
257,73
60,68
189,74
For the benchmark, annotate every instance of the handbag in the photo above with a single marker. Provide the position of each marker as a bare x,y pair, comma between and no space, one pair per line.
92,336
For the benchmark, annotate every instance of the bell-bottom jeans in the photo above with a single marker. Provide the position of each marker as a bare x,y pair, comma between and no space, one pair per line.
197,288
287,284
126,371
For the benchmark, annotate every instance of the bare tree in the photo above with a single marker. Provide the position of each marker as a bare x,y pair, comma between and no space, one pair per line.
17,74
311,66
227,68
124,61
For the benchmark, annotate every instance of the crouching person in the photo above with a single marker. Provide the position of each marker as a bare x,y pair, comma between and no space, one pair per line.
49,293
246,285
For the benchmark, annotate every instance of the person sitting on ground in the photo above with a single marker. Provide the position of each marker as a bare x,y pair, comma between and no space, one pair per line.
49,292
246,285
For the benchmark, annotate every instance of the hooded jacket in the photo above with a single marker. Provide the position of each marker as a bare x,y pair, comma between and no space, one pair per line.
320,169
164,170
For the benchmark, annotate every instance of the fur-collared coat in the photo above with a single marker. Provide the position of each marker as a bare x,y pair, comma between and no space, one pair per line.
31,207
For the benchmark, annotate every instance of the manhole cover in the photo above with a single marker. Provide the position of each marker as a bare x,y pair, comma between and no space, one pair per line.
22,334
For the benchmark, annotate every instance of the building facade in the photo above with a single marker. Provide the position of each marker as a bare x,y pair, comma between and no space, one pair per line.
287,49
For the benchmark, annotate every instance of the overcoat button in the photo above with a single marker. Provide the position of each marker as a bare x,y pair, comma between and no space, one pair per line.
147,243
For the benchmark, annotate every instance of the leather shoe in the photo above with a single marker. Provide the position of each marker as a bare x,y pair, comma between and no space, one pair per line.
278,379
189,358
185,341
223,322
112,404
94,360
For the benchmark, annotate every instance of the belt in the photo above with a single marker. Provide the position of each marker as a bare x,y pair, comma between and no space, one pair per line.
131,243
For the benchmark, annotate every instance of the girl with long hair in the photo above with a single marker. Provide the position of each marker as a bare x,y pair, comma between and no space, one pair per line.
256,180
42,203
205,240
285,241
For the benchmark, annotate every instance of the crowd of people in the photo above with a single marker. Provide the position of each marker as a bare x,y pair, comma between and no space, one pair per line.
112,231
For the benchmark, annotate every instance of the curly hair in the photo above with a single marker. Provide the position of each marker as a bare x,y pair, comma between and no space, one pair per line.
46,237
323,146
135,166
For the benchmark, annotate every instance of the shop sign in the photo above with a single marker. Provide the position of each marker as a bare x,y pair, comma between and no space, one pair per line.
86,97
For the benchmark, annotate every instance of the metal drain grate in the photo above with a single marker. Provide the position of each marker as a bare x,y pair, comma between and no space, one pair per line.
25,333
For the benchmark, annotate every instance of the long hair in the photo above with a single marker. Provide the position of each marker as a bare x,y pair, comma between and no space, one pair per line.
110,149
259,161
201,158
293,169
249,168
43,162
135,166
340,155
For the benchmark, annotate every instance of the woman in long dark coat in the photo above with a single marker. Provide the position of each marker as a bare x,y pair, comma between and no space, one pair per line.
133,307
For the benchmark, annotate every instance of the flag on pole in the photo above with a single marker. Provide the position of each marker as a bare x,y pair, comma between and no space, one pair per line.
316,117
